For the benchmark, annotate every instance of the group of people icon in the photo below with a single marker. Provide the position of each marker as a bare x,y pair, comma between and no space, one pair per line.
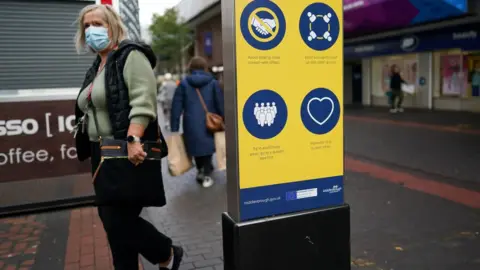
265,115
326,18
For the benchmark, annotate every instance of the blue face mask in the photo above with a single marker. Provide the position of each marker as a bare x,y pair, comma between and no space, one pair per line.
97,38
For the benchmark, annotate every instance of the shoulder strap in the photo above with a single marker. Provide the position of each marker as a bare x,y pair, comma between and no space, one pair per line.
95,119
90,102
202,100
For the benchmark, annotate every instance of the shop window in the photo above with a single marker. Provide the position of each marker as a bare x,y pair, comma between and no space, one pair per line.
408,65
459,74
473,65
454,76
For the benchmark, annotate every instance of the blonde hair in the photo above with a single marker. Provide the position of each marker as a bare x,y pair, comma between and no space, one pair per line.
110,16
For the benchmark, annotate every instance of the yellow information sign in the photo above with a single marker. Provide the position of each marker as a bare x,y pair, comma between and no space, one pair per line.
289,71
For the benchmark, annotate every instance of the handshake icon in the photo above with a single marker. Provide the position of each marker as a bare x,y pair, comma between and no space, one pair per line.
261,24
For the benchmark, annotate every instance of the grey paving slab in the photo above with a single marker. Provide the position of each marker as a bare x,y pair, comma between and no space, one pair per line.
392,227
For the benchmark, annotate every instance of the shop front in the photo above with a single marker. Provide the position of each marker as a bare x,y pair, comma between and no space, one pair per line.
442,65
457,82
40,75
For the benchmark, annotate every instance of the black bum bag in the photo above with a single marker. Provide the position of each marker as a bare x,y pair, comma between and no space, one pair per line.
118,182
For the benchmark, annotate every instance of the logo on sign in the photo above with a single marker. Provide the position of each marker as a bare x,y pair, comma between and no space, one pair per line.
332,190
265,114
319,26
320,111
263,24
465,35
409,43
16,127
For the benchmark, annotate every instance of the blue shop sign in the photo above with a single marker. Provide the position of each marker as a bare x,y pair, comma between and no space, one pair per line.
465,37
208,43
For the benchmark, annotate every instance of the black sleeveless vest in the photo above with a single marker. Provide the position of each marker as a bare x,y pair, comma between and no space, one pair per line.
118,101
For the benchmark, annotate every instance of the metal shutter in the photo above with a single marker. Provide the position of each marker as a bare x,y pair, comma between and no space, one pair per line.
37,45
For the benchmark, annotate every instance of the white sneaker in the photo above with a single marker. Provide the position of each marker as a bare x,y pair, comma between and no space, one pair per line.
393,110
400,110
207,182
200,177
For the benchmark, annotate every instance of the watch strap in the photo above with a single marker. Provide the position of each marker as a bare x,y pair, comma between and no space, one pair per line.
133,138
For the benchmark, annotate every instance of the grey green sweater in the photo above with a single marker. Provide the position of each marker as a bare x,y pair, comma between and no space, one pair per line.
142,91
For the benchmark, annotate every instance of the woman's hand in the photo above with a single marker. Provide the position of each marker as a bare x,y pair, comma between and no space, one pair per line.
136,155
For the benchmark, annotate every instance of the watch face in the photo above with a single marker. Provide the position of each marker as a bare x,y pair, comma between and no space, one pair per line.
130,139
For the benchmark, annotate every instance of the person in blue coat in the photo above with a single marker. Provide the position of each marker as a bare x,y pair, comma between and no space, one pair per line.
199,141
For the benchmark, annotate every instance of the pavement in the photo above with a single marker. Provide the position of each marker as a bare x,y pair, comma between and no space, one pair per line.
411,180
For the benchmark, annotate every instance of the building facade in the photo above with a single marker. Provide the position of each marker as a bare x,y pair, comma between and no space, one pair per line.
204,17
436,52
435,43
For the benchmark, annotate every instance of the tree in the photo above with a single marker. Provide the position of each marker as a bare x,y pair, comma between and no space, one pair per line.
169,37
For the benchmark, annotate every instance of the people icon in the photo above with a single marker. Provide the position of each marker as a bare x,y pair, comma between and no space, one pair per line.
269,115
327,18
274,107
327,36
265,113
313,35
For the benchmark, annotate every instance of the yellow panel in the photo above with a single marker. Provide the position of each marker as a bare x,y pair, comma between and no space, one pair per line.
292,69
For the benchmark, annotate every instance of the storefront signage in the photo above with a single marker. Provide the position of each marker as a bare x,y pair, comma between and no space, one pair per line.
461,37
106,2
290,132
409,43
35,140
371,16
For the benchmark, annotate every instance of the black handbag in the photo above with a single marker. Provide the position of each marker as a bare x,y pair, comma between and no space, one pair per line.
118,182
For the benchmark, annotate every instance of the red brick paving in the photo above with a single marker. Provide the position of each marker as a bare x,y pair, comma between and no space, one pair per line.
456,129
459,195
19,240
87,246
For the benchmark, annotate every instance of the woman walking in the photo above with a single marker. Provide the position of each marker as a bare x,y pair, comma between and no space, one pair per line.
118,101
198,92
396,96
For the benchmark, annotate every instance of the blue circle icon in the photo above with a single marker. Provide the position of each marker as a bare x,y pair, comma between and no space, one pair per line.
265,114
320,111
262,24
422,81
319,26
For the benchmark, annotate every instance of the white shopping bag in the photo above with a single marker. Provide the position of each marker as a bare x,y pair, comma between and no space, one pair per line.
179,161
408,88
221,150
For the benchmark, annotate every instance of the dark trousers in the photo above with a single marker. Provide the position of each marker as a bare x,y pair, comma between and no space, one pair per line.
396,99
204,164
130,235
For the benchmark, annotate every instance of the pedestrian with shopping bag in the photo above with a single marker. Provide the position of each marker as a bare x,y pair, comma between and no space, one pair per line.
116,127
396,93
200,100
166,92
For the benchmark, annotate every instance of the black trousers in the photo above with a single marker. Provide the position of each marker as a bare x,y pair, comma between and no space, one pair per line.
130,235
396,99
204,164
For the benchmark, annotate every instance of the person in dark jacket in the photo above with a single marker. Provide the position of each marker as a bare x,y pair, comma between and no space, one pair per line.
396,97
118,101
199,141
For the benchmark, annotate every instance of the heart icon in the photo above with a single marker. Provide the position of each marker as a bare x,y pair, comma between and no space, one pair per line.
320,100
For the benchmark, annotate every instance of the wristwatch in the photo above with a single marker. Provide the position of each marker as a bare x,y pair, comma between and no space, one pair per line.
133,138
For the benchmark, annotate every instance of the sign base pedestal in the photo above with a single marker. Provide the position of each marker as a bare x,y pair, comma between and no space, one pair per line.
311,240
